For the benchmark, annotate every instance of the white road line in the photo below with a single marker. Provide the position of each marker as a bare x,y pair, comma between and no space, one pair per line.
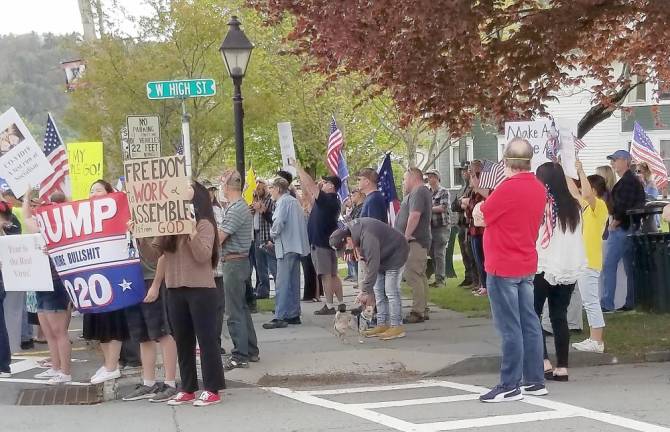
421,401
557,410
375,417
420,384
37,381
496,420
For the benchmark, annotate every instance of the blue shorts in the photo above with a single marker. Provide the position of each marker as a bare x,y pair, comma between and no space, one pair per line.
53,301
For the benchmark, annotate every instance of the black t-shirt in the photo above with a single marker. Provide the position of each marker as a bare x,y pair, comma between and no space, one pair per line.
323,219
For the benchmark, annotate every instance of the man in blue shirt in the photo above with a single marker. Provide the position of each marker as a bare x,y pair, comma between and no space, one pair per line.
321,224
375,205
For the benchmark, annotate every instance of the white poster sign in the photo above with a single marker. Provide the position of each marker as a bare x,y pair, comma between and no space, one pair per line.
144,137
536,132
567,130
22,162
286,145
25,265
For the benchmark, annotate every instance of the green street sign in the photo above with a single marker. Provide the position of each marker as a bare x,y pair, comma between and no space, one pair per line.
181,89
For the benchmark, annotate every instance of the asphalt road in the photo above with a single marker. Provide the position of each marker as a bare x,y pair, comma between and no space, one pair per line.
614,398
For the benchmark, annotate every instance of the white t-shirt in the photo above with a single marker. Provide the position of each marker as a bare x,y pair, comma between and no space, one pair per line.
564,260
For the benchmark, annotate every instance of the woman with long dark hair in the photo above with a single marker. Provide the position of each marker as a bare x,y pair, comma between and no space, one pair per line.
192,301
109,328
561,261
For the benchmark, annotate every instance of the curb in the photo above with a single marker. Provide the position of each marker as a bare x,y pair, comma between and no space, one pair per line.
491,364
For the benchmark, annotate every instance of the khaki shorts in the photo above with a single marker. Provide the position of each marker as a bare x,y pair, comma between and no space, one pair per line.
324,260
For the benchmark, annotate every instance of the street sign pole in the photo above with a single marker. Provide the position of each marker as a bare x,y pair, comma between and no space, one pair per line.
186,136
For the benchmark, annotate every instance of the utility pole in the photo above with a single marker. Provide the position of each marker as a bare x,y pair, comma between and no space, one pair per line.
87,20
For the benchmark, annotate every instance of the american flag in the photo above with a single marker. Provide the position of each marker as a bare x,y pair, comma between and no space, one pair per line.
642,150
180,149
493,173
579,144
386,185
335,158
549,222
57,157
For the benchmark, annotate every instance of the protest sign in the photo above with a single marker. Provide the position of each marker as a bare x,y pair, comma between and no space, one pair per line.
86,166
567,130
286,146
157,190
88,245
24,263
537,133
144,137
22,162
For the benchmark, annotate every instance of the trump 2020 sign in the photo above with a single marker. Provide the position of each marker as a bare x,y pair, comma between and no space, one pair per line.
88,244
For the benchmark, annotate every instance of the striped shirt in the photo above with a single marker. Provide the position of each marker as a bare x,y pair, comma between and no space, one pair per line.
238,223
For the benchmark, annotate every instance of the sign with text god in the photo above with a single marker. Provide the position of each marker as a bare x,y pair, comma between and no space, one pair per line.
157,190
144,137
87,243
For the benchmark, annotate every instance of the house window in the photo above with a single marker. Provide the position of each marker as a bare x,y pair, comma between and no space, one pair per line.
456,180
663,91
665,153
641,92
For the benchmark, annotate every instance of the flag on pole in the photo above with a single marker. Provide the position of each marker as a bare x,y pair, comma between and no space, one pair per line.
54,150
335,158
553,143
643,150
386,185
249,186
579,144
493,173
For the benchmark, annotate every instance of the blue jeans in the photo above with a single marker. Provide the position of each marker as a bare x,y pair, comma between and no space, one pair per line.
477,243
5,352
514,317
387,295
287,299
240,325
617,247
266,264
352,270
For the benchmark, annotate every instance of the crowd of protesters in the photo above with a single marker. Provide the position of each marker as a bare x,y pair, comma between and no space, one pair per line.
532,240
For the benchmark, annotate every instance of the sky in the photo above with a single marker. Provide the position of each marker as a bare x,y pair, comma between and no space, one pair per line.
48,16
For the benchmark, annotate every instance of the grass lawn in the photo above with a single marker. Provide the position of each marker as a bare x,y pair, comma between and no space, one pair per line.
633,333
265,305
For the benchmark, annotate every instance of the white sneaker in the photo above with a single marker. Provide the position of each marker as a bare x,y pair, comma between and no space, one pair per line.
106,375
61,378
98,372
5,374
589,345
49,373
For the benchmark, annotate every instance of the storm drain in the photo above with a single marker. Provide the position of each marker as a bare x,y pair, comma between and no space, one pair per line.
62,395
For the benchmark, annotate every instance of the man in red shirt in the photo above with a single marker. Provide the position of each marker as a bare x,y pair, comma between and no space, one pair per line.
513,214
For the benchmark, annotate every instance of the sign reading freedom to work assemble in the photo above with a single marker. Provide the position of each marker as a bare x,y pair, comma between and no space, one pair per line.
144,137
157,190
88,245
181,89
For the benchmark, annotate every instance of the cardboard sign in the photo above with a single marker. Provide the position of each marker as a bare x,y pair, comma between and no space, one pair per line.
157,190
24,263
86,166
22,162
144,137
537,133
286,146
88,245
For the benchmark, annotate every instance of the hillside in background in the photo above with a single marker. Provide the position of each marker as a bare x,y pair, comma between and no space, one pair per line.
32,81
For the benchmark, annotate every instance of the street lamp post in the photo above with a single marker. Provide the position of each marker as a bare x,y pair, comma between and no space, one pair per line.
236,51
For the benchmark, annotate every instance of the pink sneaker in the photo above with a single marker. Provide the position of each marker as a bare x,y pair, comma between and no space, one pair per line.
182,398
207,398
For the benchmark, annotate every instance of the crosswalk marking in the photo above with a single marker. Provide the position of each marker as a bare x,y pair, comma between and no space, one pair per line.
552,410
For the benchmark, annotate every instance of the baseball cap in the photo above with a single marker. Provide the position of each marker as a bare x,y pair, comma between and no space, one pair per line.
619,154
433,172
338,239
335,180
